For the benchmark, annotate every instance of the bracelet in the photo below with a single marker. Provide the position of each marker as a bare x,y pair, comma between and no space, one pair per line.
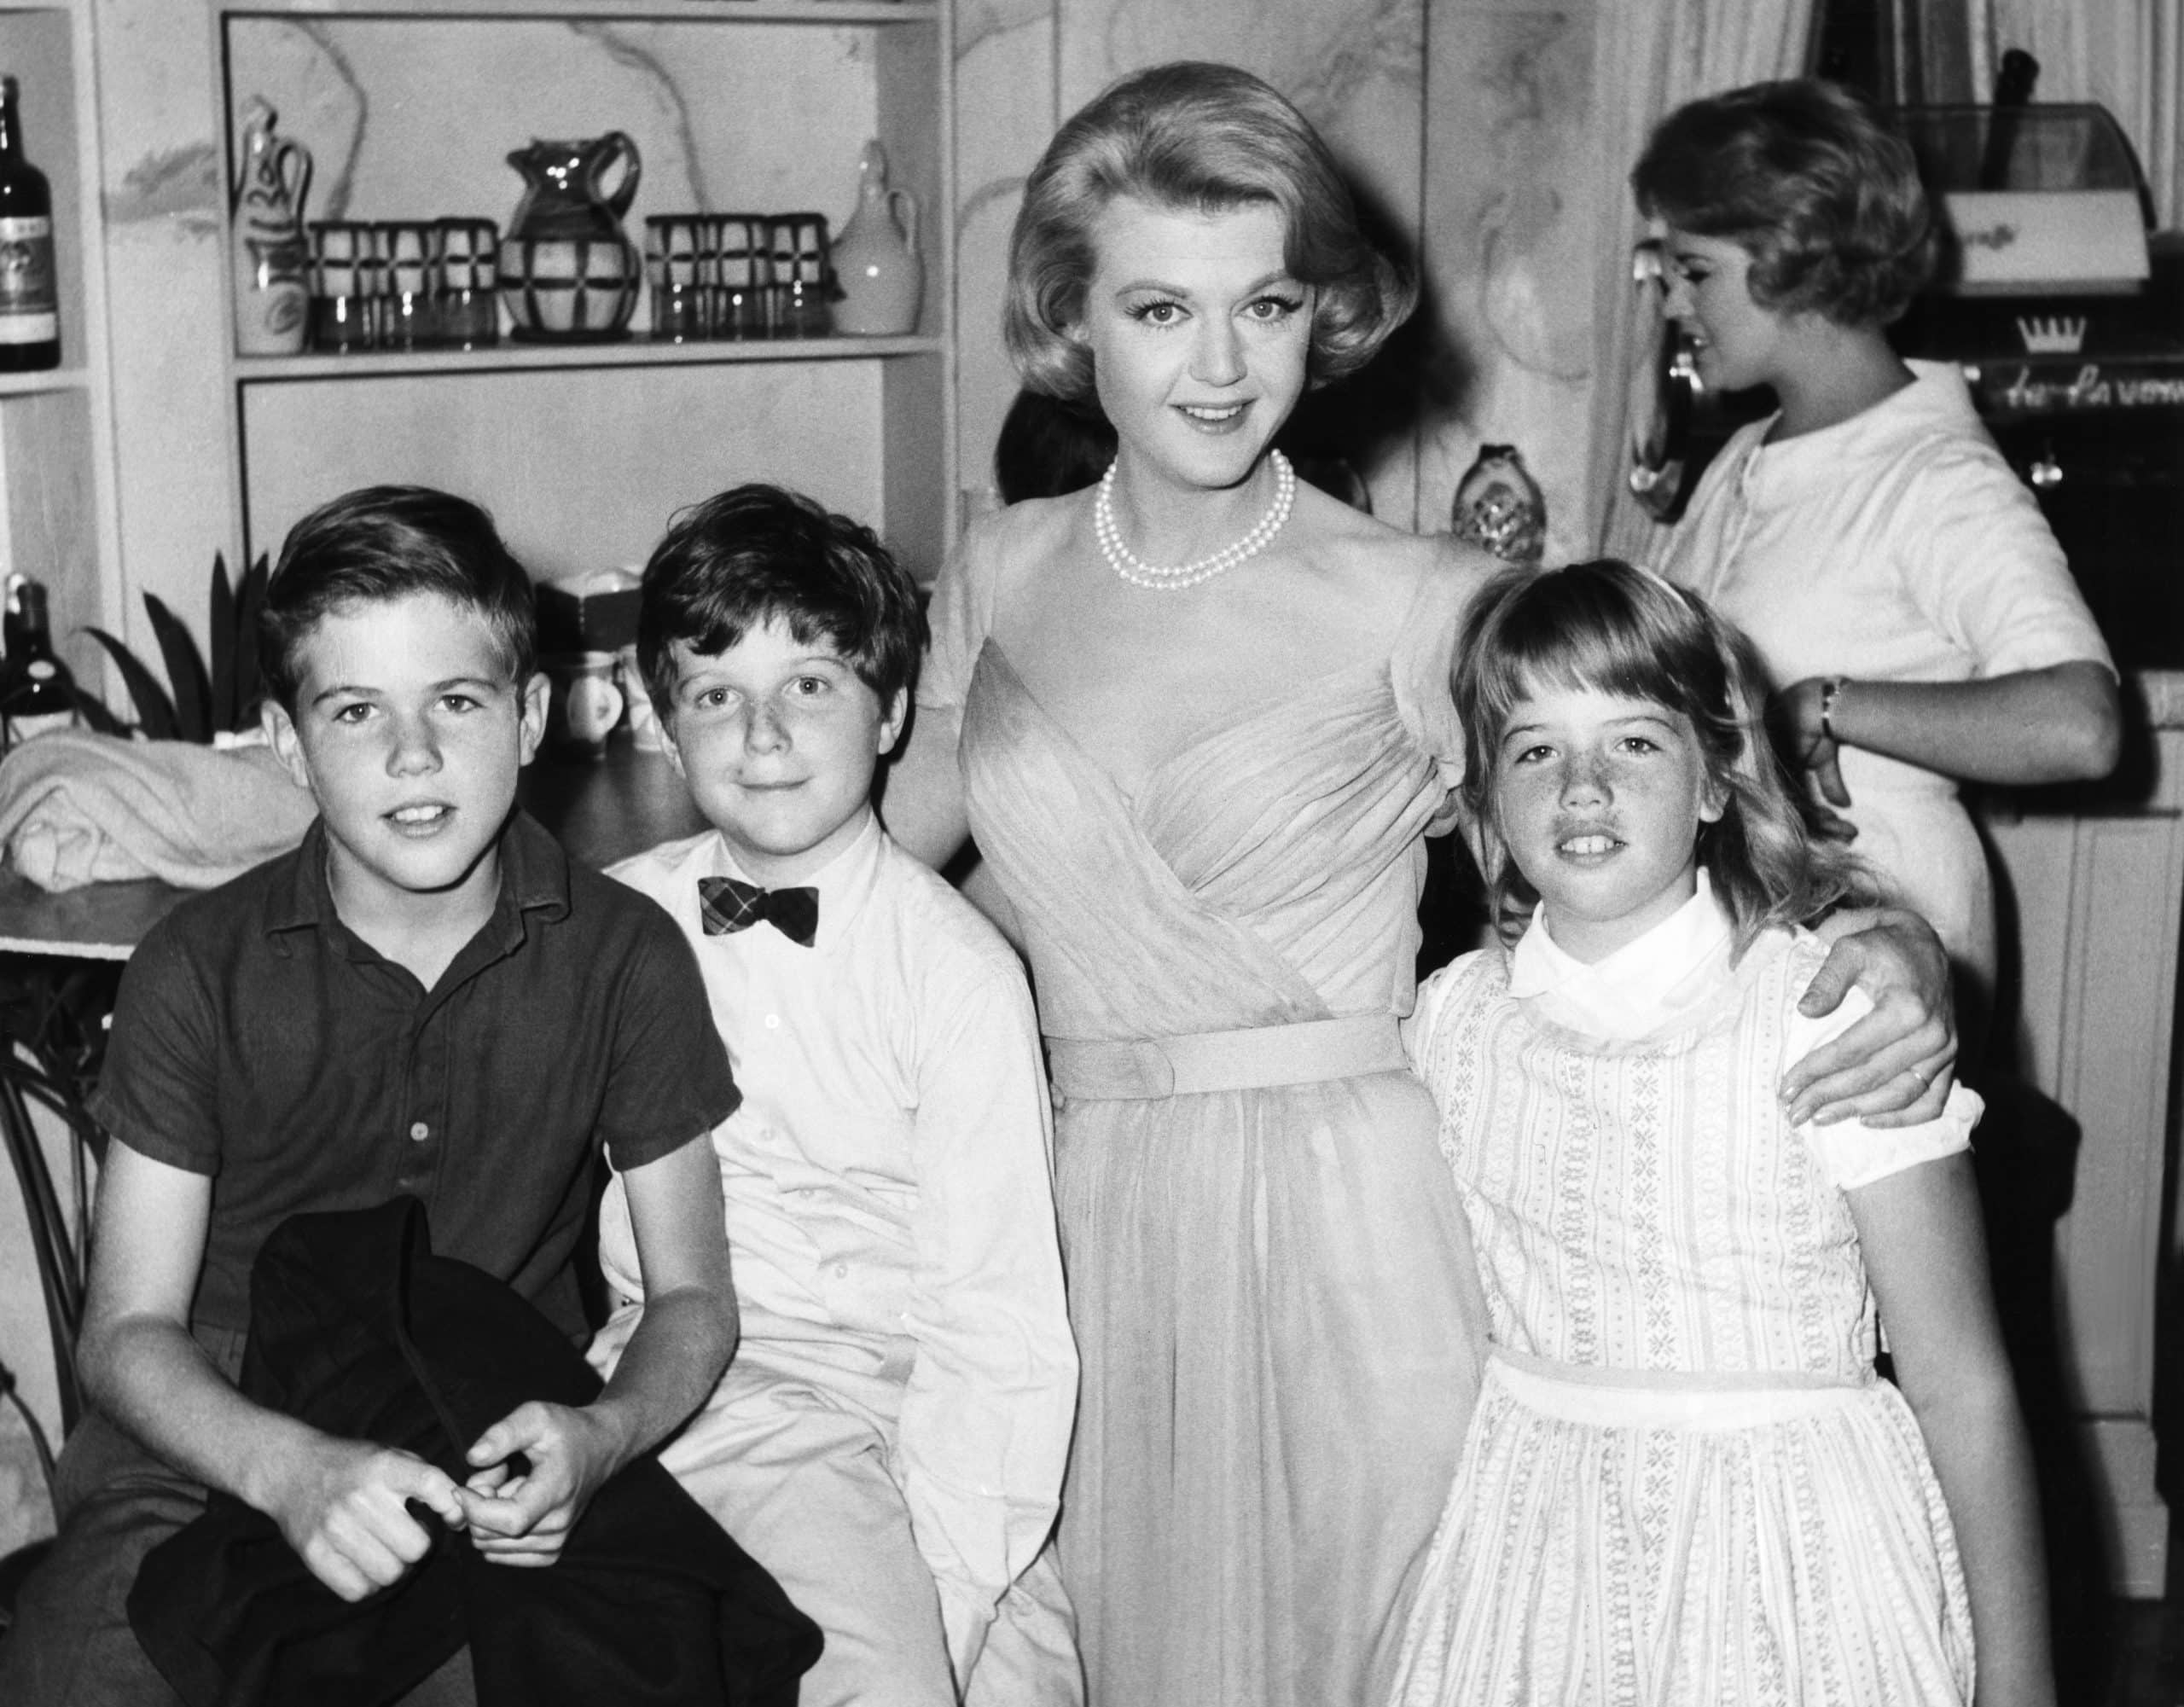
1830,690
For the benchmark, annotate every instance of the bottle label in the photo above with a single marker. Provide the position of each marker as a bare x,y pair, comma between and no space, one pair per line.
29,305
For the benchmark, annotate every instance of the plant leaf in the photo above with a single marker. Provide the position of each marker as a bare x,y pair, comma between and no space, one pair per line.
220,635
154,711
185,672
250,608
93,712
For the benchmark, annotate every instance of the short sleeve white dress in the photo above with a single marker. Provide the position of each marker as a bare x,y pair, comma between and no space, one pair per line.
1896,546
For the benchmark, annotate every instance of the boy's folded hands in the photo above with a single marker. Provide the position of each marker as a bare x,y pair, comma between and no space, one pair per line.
539,1468
343,1506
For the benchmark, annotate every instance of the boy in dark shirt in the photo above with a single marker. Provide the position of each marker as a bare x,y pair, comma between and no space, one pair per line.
424,997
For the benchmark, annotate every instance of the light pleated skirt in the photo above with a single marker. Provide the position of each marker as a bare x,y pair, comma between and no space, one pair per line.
1279,1315
1679,1542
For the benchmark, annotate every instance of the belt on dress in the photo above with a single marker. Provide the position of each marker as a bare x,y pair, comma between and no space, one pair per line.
1306,1053
1705,1400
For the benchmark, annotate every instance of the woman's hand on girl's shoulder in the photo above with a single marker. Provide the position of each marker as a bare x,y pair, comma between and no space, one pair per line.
1893,1068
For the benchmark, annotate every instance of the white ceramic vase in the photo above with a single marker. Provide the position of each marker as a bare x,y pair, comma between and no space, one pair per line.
875,258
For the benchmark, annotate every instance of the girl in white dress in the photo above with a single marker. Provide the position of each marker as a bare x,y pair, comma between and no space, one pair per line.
1683,1481
1918,621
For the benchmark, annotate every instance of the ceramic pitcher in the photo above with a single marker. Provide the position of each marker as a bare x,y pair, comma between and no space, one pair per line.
568,270
876,267
272,296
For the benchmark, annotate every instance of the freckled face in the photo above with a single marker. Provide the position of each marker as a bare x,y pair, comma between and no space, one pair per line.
1738,343
409,734
1599,799
1199,336
777,739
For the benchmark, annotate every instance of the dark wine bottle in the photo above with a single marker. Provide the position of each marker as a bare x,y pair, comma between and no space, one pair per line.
35,691
30,305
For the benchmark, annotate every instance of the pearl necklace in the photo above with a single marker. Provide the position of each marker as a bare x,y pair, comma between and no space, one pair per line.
1163,580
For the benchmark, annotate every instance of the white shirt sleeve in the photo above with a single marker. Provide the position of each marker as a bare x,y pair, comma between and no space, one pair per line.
1852,1153
1986,569
991,1394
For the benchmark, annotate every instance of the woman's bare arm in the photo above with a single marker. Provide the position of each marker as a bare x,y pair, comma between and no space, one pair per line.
921,801
2061,724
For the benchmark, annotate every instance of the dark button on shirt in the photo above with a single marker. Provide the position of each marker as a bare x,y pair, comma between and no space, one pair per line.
259,1040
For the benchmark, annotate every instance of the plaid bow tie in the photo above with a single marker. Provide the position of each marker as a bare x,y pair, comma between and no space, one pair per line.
728,906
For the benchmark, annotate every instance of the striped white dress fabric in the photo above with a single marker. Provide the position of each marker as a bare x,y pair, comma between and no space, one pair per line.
1683,1483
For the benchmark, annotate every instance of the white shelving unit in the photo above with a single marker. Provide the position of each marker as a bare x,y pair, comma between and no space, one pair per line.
58,522
583,451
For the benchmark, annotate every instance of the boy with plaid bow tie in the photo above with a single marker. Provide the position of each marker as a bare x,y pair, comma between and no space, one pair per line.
889,1437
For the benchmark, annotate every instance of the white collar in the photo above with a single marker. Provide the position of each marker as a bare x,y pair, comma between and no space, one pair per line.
1646,981
1937,401
844,883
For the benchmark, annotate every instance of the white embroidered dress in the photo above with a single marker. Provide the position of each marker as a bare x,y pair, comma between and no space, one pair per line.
1683,1482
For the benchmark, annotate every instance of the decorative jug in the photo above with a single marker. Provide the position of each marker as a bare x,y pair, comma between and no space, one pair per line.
1500,507
272,294
568,270
875,260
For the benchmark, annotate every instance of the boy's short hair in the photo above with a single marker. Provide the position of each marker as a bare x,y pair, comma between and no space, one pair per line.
1801,174
1202,138
380,543
757,552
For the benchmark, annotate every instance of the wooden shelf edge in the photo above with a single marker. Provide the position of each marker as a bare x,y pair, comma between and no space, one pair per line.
881,12
43,384
57,948
518,358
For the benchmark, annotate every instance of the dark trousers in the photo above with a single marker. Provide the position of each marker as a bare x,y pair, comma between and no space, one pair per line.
70,1645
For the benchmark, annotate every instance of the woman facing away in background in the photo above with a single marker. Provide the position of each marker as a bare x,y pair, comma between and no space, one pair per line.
1199,718
1918,621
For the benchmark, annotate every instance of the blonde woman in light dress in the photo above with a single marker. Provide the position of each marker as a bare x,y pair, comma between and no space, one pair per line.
1198,717
1684,1481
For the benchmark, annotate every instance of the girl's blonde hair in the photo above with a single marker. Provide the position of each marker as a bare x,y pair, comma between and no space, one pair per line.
1612,628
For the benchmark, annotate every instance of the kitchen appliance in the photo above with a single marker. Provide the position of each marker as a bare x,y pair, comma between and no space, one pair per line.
2070,328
